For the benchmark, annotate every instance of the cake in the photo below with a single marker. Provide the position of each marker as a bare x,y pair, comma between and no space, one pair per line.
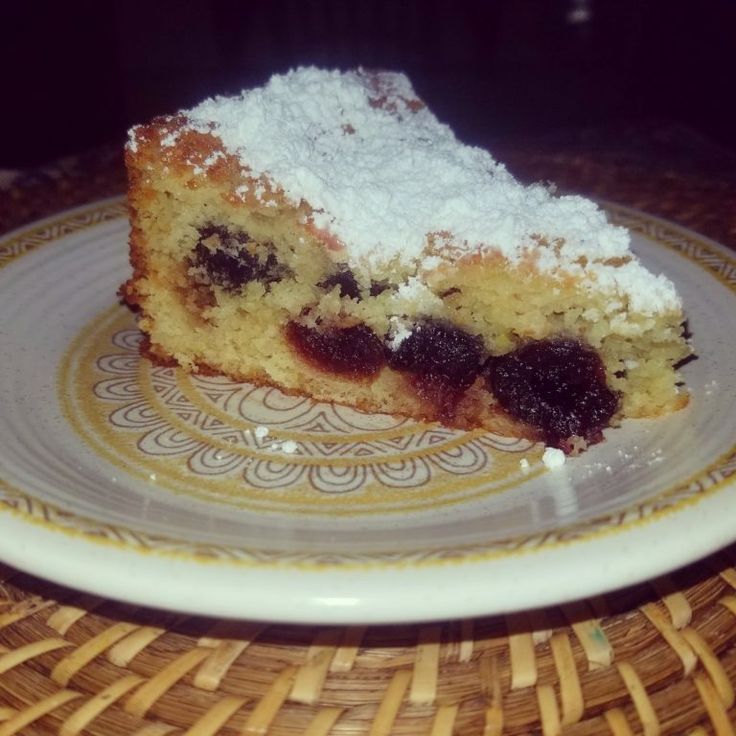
325,234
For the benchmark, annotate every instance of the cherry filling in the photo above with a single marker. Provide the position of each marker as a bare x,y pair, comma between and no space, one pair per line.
443,361
349,287
558,386
231,259
345,279
352,352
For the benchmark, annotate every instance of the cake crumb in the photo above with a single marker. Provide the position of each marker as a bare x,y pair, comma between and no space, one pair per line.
287,446
553,458
261,432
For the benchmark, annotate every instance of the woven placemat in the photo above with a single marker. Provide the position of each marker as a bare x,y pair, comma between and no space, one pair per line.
658,658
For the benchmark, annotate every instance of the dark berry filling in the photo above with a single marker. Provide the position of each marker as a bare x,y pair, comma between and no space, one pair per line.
231,259
352,352
345,279
557,385
443,361
378,287
349,287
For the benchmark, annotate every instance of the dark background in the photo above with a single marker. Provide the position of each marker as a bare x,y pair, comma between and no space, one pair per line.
76,75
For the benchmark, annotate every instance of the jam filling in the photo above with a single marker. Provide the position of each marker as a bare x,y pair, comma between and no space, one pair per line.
557,385
442,360
352,352
349,287
345,279
231,259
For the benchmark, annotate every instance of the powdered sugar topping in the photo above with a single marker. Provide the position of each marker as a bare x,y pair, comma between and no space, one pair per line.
383,176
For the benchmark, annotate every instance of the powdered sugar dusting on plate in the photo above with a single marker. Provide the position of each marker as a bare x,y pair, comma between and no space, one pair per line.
382,176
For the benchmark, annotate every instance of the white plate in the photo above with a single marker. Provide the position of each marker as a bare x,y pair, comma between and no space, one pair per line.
147,485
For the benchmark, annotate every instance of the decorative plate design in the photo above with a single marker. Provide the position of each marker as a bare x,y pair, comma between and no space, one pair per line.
145,483
258,448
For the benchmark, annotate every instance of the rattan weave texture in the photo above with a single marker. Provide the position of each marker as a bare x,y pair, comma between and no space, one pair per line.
656,659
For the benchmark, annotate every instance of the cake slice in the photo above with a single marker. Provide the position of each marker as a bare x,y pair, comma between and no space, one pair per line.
326,235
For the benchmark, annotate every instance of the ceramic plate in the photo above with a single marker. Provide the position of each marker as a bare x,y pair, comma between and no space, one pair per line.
145,484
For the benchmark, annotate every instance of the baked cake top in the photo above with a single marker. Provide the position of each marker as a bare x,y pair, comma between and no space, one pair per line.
387,181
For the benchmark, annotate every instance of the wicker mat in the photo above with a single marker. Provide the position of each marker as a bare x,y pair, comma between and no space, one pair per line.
656,659
659,658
